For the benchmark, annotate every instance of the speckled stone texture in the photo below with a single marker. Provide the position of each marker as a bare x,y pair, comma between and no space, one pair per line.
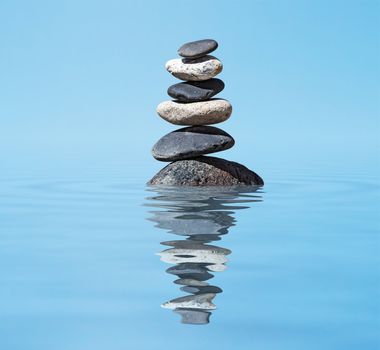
199,48
195,113
191,142
200,69
206,171
196,91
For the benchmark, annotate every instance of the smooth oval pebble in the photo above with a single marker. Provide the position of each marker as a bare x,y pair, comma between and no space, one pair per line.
196,91
199,48
195,113
200,69
191,142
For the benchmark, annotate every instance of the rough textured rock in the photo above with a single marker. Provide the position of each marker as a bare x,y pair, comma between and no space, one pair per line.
206,171
195,113
199,48
200,69
191,142
196,91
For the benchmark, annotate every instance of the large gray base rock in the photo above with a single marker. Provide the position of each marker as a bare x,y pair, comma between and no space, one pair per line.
206,171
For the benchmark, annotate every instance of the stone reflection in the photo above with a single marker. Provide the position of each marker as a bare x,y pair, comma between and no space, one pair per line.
200,216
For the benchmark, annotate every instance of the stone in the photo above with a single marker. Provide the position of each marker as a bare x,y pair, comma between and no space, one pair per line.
195,113
201,225
191,142
201,289
200,69
193,245
191,316
194,271
206,171
196,91
197,301
199,48
213,256
190,282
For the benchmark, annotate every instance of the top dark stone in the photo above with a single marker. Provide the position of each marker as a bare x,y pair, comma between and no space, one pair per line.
196,49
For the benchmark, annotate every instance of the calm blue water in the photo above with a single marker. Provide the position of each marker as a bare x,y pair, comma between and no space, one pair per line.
99,264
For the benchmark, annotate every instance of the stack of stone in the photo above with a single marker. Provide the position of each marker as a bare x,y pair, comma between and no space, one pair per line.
195,107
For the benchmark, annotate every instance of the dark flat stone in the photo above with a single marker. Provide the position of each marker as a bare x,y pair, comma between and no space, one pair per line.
194,271
191,142
190,282
201,290
206,171
196,91
199,48
193,245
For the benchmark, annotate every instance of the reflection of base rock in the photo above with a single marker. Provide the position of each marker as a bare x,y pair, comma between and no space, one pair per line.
206,171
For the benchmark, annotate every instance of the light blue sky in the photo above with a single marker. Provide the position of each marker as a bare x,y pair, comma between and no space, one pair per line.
81,81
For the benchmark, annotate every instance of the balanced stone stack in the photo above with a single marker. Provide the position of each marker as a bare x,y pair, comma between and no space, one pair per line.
194,106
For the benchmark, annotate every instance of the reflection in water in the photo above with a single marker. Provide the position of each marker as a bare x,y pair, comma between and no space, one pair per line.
201,216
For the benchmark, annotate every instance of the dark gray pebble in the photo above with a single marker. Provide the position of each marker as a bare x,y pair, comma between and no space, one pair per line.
196,49
191,142
194,271
196,91
201,290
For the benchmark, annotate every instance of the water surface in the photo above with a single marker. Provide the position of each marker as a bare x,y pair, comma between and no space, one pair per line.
107,263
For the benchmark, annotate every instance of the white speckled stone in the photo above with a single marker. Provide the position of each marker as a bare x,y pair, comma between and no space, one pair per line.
200,69
199,301
195,113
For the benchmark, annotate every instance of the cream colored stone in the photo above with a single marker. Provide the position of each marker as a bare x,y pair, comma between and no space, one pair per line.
203,68
195,113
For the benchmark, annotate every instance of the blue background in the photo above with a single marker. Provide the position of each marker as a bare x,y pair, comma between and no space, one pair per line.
81,81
